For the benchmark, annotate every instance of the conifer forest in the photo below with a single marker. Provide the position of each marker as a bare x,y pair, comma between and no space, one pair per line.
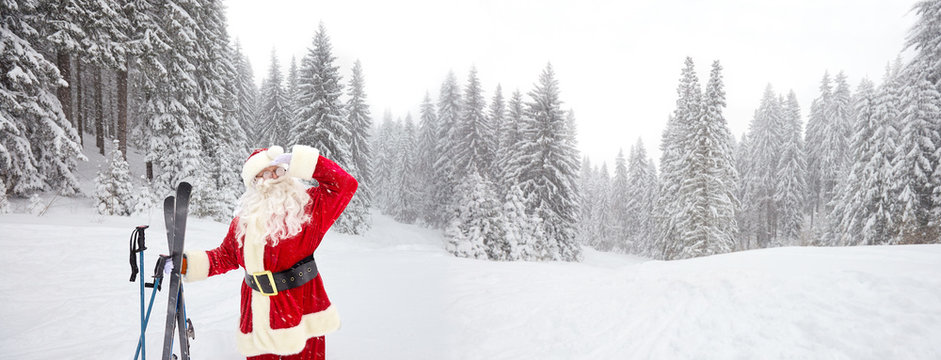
497,170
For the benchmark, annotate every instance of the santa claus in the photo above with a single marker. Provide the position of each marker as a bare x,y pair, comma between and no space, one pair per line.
285,311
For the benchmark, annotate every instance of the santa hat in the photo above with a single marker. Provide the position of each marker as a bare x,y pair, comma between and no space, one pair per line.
258,160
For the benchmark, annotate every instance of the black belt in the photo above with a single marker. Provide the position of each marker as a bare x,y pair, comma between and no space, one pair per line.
269,284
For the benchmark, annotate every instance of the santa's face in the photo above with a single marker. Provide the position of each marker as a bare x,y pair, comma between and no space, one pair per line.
276,200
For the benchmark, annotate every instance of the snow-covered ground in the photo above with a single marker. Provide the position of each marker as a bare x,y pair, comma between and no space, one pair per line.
65,295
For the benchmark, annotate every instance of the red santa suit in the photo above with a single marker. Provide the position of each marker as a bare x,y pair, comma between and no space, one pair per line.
283,323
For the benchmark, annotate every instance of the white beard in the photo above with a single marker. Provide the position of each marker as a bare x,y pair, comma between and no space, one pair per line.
279,202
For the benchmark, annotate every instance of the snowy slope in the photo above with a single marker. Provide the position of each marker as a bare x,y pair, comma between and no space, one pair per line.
402,297
66,295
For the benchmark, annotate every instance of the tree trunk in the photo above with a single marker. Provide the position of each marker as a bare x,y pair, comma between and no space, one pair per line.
99,115
150,171
122,111
79,113
64,62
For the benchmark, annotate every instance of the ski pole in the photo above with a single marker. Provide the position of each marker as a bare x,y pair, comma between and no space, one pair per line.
138,245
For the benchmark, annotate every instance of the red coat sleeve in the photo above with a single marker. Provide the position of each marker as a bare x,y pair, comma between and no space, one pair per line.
203,264
335,190
336,186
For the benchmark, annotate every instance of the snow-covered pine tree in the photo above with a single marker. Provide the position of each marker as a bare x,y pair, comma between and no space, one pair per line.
385,144
476,230
861,212
548,170
765,137
925,38
917,157
829,130
114,191
355,219
424,167
622,217
292,91
791,175
246,95
640,202
814,138
496,116
104,48
674,147
518,228
274,118
602,217
322,122
406,193
145,199
449,111
62,24
39,148
586,180
169,95
510,134
476,141
708,204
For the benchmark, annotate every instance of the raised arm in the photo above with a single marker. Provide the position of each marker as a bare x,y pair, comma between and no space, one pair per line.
336,185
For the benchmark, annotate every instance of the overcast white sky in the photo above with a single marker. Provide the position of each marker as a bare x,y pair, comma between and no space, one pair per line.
617,62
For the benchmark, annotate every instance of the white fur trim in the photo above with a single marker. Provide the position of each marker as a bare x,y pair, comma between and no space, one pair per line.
303,161
285,341
263,339
258,162
197,266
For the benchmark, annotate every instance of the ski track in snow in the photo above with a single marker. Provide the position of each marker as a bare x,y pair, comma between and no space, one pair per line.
401,296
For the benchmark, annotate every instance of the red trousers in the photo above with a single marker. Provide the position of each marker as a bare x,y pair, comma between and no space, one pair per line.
314,350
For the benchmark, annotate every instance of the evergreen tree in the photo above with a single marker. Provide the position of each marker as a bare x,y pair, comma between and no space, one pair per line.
623,217
588,183
925,38
510,137
475,135
246,98
114,192
706,221
38,146
862,216
169,94
765,138
791,175
355,219
916,158
274,121
640,202
549,168
519,228
817,156
145,199
449,110
424,168
674,147
322,121
478,225
406,193
602,218
385,174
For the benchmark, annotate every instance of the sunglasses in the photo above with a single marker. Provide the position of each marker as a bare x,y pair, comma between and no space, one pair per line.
270,174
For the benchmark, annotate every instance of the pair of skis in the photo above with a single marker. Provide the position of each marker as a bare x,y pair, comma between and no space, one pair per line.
174,212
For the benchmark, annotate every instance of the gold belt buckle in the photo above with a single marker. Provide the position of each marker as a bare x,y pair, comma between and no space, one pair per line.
268,276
